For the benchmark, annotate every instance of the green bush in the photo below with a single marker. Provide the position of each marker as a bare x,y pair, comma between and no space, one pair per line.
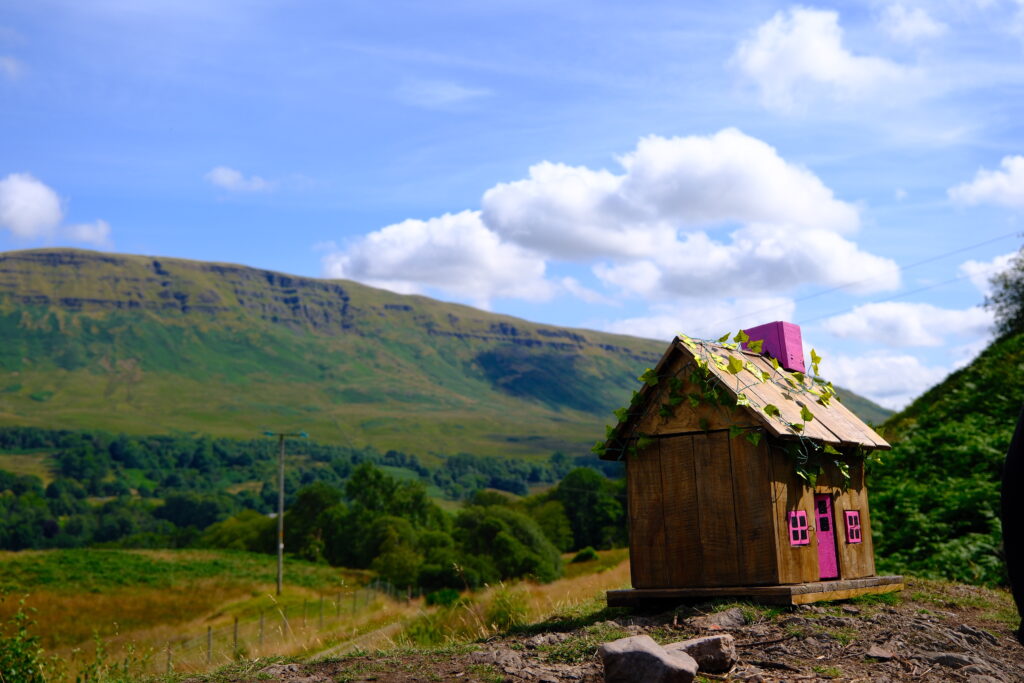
588,554
21,657
446,597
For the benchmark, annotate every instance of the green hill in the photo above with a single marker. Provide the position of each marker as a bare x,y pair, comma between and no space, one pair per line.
139,344
935,498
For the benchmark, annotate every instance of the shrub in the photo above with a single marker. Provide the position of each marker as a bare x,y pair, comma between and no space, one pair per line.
446,597
20,654
586,555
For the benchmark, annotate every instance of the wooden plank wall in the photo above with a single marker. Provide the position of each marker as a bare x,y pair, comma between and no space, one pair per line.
857,560
797,564
684,553
755,527
647,549
713,497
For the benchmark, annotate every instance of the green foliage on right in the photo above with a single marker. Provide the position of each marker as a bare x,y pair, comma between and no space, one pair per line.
935,496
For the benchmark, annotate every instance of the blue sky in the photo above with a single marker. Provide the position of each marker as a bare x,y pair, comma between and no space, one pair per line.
645,168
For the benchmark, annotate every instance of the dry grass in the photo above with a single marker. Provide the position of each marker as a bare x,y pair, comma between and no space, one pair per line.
36,464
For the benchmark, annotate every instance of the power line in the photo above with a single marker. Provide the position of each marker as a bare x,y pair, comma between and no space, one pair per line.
853,283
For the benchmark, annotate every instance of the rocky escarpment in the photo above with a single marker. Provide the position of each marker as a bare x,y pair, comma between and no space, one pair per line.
85,281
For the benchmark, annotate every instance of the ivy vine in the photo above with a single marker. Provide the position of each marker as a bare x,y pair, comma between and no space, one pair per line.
809,455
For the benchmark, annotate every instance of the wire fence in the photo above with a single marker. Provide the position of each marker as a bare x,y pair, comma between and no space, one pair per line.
273,629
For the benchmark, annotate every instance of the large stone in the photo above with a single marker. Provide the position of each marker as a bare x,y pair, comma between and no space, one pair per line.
714,654
730,618
638,659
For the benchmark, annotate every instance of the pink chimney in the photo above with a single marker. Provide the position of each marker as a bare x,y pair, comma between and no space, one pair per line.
782,342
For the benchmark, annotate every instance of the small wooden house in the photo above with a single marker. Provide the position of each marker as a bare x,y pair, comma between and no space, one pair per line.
745,477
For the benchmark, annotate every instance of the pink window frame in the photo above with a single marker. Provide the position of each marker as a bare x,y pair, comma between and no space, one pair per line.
798,528
853,531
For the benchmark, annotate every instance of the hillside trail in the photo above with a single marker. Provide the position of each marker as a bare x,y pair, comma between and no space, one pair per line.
934,632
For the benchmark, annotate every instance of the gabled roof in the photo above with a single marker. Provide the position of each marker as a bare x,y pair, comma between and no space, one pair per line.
789,392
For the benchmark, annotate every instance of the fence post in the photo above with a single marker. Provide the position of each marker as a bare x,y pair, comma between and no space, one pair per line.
209,645
234,653
170,665
261,630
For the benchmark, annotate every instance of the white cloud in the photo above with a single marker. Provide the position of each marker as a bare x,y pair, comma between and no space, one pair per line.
759,258
910,24
576,213
900,194
585,294
1004,188
909,324
721,215
28,207
97,233
230,179
10,67
892,380
981,272
799,54
437,94
704,318
455,253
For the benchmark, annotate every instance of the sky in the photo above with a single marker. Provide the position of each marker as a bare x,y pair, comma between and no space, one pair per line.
645,168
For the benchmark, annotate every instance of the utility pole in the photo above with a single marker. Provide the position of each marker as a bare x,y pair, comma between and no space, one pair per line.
280,501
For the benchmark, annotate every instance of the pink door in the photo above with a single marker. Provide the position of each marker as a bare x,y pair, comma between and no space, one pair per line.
828,561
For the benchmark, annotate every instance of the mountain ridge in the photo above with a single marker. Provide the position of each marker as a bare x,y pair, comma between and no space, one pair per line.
230,349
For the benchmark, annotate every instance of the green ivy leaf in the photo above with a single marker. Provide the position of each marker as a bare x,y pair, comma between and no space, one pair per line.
775,363
741,337
772,410
664,411
831,450
687,342
796,427
644,441
735,365
704,424
694,399
609,431
805,414
724,337
765,376
649,377
799,377
749,367
720,361
755,346
734,431
815,358
754,436
621,414
742,400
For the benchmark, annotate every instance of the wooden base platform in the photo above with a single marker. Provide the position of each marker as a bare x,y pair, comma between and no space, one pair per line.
795,594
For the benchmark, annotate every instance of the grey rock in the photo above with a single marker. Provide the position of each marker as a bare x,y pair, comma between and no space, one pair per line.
953,660
714,654
976,634
730,618
850,609
982,679
545,639
879,652
638,659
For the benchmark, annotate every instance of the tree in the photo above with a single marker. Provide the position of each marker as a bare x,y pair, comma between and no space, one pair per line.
591,503
1007,298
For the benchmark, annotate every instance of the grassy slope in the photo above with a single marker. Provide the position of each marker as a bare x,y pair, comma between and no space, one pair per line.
143,345
935,498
